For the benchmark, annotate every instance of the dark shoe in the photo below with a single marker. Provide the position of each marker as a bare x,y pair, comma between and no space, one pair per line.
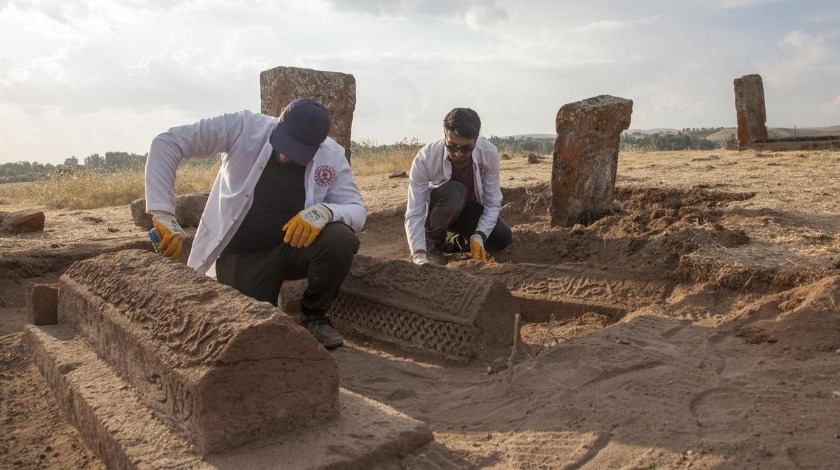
456,243
436,256
321,328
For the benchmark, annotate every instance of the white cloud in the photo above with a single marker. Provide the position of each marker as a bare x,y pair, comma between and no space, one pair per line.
110,74
612,25
733,4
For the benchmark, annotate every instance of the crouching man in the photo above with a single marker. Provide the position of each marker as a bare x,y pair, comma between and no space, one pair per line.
284,206
454,194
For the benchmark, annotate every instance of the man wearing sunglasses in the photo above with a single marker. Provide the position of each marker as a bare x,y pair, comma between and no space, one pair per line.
454,197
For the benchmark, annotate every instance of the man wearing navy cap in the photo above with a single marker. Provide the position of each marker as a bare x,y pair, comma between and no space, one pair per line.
284,206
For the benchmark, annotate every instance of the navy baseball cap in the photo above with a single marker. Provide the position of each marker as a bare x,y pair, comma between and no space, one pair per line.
303,127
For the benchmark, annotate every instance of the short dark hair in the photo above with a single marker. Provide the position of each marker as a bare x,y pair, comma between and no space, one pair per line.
463,122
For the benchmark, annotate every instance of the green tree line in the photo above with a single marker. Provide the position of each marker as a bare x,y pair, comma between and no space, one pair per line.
109,162
666,141
33,171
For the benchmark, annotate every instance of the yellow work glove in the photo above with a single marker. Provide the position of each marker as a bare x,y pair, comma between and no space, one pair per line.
306,225
477,247
170,233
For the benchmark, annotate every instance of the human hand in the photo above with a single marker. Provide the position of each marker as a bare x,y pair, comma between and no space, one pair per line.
171,234
419,258
477,247
306,225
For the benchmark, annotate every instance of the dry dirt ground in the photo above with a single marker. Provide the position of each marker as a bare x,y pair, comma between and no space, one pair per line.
696,327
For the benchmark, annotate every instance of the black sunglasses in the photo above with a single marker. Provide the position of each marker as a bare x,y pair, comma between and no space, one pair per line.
459,148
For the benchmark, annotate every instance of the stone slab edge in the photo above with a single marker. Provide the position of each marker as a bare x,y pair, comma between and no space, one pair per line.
125,435
575,287
799,145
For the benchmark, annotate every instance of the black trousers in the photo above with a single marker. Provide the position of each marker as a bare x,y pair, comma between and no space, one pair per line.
449,211
324,264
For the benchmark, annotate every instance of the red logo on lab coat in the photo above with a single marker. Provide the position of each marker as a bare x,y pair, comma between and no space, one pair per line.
324,175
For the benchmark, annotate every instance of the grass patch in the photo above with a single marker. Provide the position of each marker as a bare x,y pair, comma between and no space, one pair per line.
92,189
82,189
368,158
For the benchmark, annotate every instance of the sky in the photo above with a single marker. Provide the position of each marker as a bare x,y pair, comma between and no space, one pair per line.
84,77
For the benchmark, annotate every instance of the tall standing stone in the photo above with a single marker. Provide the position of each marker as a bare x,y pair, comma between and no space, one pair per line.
586,158
337,91
749,107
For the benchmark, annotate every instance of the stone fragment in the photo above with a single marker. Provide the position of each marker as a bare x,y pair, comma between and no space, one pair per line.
139,215
125,434
337,91
429,309
586,158
24,221
41,304
189,207
188,210
217,367
750,111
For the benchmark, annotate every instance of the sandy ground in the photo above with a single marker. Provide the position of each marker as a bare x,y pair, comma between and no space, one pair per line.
696,327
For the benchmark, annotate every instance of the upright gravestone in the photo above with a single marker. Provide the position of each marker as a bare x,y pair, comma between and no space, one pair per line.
586,158
749,107
337,91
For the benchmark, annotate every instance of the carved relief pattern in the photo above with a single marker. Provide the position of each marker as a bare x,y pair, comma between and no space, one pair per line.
420,290
173,318
392,324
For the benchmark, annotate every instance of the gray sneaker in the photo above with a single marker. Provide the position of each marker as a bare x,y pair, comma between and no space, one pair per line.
321,328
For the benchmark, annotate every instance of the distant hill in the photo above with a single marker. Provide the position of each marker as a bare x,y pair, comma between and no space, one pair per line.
717,137
532,136
778,133
652,131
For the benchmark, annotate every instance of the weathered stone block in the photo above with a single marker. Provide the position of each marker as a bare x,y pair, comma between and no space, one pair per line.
217,367
110,420
436,311
125,434
139,215
42,304
337,91
586,158
188,210
749,109
23,221
563,292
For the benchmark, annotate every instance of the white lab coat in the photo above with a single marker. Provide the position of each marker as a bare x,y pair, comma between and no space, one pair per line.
431,168
243,137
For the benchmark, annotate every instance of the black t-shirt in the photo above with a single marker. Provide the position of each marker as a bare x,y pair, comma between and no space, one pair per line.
279,195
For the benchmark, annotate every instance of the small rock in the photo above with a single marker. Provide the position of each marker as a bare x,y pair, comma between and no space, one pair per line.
24,221
398,174
139,215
